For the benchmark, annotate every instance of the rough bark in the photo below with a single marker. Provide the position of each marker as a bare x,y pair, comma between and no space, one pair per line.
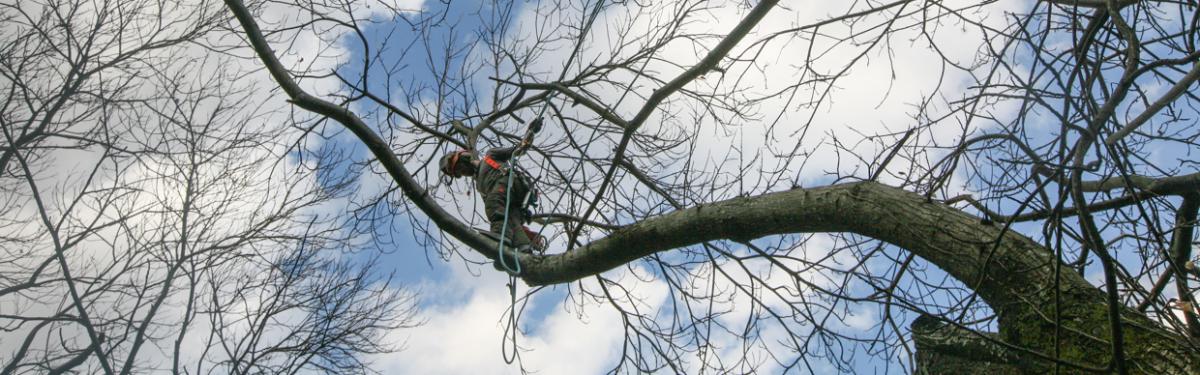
1009,271
943,348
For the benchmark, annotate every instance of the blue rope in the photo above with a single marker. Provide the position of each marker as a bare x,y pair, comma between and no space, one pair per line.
504,229
508,194
512,286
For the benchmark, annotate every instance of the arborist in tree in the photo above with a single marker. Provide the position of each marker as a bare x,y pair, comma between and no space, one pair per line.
502,202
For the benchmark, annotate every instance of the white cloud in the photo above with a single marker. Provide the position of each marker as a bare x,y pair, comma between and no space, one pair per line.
465,323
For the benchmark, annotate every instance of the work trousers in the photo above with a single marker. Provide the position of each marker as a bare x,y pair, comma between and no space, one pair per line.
494,204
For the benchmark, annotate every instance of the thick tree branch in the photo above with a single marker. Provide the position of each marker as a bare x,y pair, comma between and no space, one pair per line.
1178,89
1181,252
957,242
944,349
1015,274
1142,188
378,147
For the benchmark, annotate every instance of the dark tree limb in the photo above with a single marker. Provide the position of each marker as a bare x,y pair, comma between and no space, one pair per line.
1181,253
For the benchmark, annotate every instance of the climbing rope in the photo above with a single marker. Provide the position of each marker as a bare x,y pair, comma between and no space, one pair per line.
512,320
512,273
508,194
515,271
504,229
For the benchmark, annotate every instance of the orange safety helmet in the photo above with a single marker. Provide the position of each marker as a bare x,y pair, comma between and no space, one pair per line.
449,162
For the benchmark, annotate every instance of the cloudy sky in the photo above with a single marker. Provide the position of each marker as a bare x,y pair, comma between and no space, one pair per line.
464,305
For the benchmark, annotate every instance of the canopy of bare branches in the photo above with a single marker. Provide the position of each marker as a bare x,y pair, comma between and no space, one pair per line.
752,186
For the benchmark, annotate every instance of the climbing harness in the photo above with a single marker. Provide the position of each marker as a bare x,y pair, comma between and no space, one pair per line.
493,163
531,194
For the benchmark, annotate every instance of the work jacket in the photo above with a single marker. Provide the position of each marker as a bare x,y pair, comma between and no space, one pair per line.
492,182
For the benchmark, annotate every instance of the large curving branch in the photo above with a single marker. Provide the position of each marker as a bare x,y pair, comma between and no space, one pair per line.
957,242
1011,272
378,147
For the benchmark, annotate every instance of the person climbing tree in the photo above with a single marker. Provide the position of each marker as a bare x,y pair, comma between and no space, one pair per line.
506,199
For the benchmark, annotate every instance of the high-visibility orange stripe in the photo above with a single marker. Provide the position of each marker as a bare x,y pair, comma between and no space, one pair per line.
492,162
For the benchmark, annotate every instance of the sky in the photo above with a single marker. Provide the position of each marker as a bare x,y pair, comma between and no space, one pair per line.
464,304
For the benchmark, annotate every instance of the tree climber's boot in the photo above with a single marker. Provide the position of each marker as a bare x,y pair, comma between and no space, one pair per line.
525,249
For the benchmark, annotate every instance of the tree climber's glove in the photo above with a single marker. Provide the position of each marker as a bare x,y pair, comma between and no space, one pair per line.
536,125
